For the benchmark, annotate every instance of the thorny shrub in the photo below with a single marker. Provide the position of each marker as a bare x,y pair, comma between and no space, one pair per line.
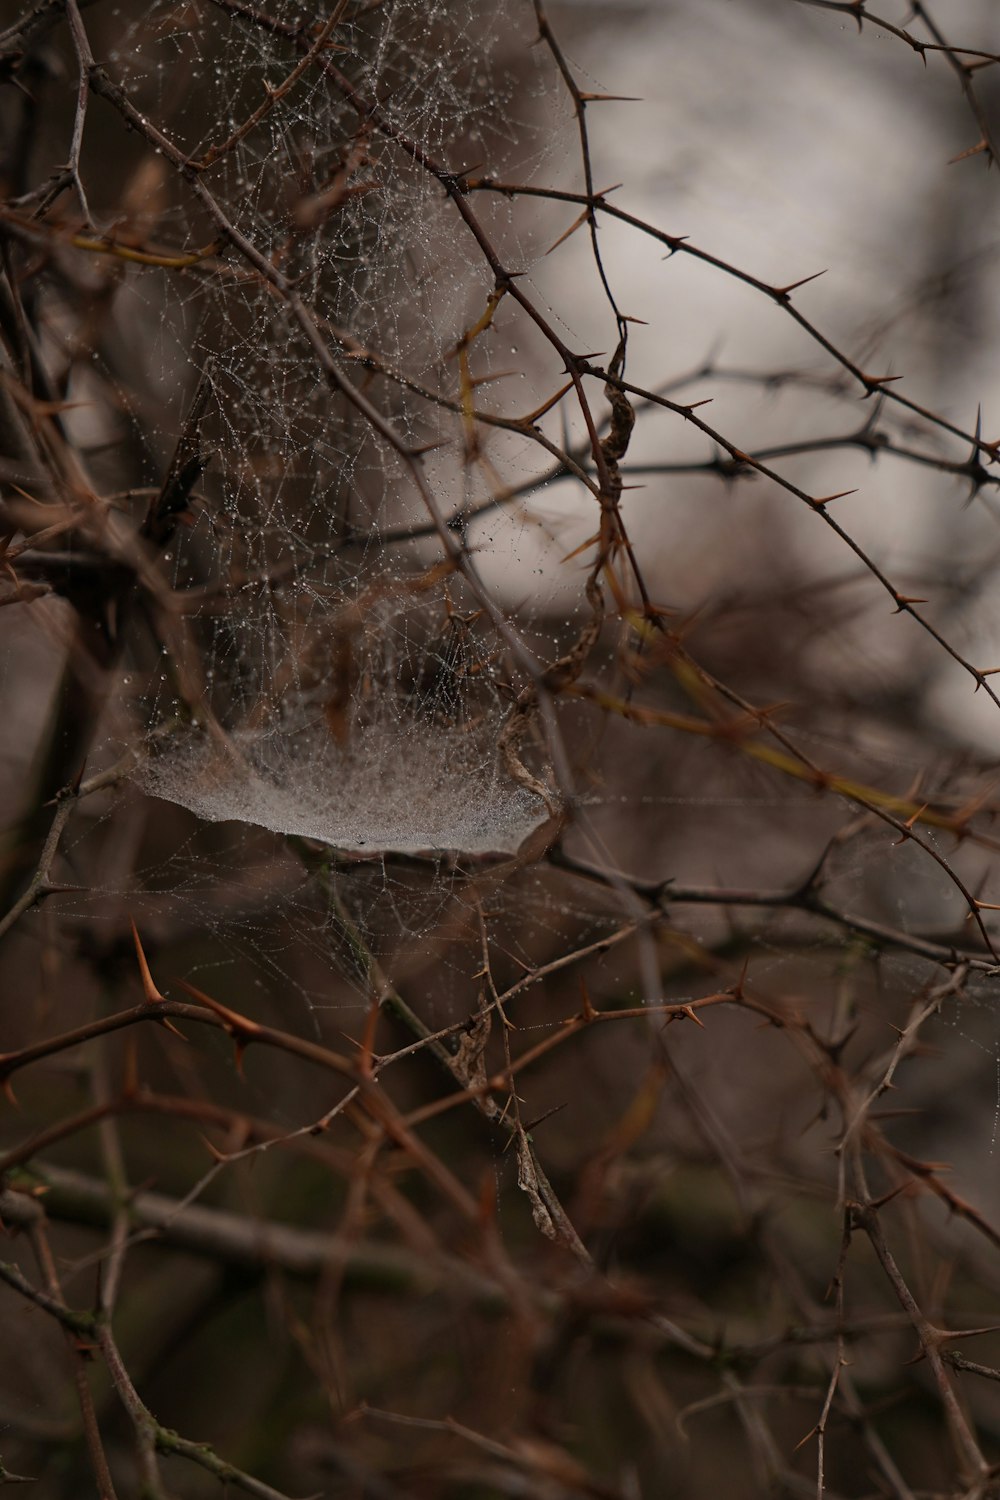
499,936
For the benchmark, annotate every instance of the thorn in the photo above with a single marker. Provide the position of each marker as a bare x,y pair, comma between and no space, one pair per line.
983,145
219,1157
967,1333
534,1124
608,98
588,1012
784,291
693,1015
231,1017
903,601
240,1028
874,381
916,816
590,542
532,416
149,990
877,1203
974,466
675,241
577,223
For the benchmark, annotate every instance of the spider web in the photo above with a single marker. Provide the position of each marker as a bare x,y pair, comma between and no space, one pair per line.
358,692
338,683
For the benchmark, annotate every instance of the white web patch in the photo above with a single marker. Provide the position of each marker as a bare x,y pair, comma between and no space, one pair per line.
419,793
377,736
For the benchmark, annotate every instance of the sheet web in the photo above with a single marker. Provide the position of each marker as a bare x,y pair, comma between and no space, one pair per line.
355,690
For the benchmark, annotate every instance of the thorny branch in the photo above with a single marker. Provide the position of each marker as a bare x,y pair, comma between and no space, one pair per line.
661,999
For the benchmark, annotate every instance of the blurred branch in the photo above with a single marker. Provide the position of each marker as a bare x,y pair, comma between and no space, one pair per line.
235,1239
